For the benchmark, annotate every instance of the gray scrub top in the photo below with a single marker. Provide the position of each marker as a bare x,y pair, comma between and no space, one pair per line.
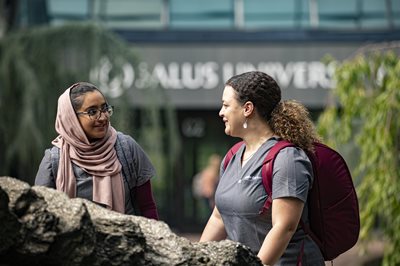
240,196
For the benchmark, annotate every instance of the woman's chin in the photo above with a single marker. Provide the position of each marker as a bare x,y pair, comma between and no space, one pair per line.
99,134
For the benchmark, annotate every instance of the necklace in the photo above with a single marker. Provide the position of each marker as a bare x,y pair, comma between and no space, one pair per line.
251,155
248,157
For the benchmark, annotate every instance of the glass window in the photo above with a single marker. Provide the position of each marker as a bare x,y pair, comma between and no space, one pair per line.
213,14
352,14
337,14
276,14
111,13
396,13
373,14
219,14
133,13
61,11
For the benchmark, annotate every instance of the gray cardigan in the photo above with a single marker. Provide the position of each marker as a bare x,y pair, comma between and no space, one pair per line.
136,170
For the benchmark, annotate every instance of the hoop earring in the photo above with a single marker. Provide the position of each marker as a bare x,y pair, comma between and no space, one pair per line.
245,124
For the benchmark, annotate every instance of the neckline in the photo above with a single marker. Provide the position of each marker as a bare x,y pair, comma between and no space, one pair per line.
243,162
251,155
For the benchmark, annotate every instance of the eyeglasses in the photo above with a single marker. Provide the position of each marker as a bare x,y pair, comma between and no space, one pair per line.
95,114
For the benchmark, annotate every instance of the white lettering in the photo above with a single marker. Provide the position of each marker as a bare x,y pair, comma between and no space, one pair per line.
174,82
104,70
160,75
210,73
115,85
192,79
145,79
330,81
300,78
227,71
282,75
129,75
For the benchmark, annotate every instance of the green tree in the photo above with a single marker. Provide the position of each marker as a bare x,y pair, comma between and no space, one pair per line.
38,64
367,114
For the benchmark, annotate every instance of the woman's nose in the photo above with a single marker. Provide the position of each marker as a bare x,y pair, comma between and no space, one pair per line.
103,116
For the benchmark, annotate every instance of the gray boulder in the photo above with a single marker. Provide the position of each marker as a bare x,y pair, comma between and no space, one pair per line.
42,226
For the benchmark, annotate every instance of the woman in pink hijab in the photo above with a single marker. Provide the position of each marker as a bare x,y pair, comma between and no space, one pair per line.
90,159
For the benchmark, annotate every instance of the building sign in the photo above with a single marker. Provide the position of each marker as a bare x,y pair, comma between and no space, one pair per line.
193,76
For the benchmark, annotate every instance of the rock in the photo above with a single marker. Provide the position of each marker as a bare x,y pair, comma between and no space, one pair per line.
42,226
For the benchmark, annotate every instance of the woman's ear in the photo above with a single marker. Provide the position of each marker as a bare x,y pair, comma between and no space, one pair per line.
248,108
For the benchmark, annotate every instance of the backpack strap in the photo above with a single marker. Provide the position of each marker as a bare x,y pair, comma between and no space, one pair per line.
266,173
55,159
268,167
123,153
128,169
122,150
231,152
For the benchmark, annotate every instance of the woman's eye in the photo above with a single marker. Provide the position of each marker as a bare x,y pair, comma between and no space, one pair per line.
92,112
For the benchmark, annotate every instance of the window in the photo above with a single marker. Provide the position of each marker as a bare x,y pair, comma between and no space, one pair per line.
212,14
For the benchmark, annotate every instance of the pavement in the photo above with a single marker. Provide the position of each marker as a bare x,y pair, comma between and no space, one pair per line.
360,255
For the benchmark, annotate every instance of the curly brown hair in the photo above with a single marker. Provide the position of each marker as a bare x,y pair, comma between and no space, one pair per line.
259,88
289,120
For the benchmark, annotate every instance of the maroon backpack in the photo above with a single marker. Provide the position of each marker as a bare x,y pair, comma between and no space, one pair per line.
334,221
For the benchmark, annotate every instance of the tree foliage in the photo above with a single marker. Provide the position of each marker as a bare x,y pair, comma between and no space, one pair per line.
368,93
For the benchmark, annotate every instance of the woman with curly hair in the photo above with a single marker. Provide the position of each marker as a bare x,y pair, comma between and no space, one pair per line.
253,111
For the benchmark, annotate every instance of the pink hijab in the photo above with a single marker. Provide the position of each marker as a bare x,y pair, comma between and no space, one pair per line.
98,158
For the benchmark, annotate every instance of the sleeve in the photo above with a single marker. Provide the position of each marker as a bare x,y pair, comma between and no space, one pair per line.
292,174
44,175
221,167
142,164
145,201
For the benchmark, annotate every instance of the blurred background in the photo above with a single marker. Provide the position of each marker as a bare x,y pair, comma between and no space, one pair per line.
163,63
